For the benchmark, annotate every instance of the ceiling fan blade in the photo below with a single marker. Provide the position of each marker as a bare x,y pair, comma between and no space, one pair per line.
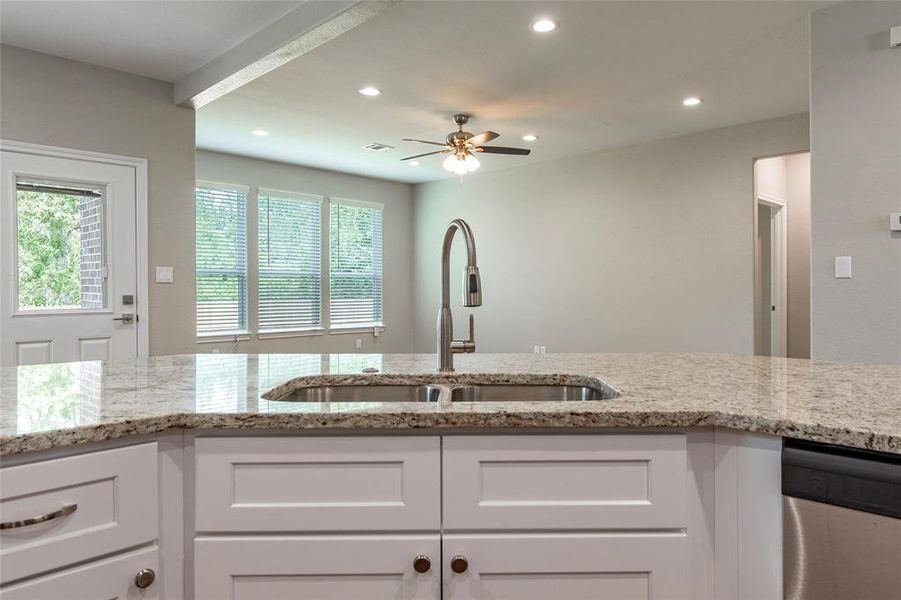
426,154
503,150
424,142
482,138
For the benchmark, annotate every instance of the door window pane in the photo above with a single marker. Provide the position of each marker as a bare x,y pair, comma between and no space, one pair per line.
60,246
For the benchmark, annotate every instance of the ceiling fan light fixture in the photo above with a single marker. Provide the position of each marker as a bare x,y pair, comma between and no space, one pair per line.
530,137
413,163
692,101
544,26
460,164
370,91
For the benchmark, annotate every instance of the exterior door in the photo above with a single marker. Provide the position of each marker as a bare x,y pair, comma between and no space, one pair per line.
68,272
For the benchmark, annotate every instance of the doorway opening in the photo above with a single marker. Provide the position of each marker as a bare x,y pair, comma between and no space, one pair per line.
782,255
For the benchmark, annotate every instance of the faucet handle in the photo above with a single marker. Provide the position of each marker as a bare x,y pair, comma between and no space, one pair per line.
467,346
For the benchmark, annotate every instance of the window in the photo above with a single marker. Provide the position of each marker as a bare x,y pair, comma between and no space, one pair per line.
290,261
59,247
221,226
355,264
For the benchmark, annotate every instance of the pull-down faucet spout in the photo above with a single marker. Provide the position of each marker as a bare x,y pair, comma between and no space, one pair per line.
472,296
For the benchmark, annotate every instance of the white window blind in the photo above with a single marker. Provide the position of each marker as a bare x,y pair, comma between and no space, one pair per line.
221,262
355,264
290,261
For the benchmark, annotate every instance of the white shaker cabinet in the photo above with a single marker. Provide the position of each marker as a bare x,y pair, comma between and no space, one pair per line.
334,567
574,566
552,516
116,578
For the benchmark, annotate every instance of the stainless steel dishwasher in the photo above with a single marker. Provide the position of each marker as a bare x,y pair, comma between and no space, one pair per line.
841,523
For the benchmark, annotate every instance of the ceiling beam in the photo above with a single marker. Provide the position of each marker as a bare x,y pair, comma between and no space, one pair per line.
308,26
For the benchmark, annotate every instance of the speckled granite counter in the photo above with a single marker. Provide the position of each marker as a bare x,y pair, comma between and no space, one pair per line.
47,406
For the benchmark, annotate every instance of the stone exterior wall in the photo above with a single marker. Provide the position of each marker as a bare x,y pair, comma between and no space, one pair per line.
92,279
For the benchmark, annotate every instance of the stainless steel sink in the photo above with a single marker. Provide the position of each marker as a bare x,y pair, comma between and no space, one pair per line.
527,393
364,393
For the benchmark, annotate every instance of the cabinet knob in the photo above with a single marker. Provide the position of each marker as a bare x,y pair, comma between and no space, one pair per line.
459,564
422,564
145,578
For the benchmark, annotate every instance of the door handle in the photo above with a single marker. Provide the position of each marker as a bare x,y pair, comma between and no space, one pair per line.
126,318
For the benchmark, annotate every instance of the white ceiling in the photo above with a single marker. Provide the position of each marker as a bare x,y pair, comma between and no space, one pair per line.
162,39
613,74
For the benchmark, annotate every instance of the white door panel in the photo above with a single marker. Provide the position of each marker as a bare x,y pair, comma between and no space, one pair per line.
92,244
612,566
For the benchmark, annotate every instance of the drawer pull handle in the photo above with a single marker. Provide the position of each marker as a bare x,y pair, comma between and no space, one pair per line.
459,564
422,564
63,512
145,578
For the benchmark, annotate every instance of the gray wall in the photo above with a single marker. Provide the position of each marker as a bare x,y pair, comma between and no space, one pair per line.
398,245
797,195
855,113
58,102
642,248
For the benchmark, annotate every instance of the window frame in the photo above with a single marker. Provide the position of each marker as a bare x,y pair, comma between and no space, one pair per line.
327,267
323,240
107,265
252,271
247,332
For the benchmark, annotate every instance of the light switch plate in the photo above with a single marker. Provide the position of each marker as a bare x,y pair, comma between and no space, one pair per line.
895,36
164,275
843,267
895,221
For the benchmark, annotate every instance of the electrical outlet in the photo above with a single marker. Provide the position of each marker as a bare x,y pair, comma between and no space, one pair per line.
359,344
536,349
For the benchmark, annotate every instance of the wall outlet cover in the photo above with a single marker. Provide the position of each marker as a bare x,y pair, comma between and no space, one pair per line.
895,221
843,267
164,275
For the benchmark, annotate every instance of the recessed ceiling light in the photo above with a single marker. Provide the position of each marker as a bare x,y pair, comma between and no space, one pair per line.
370,91
413,163
530,137
692,101
260,132
544,26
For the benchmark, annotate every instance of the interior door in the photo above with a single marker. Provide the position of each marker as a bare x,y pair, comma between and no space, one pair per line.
68,273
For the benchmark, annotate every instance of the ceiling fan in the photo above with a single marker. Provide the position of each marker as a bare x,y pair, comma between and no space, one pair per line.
462,147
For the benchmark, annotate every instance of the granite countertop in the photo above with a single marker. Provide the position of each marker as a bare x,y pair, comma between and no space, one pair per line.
49,406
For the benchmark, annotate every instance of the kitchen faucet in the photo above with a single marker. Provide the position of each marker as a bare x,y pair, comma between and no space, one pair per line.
472,296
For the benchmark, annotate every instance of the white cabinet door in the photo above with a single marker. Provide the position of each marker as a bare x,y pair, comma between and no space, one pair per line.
316,567
615,566
321,484
100,503
565,482
110,579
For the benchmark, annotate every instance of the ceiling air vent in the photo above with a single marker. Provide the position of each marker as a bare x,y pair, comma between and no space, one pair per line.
376,147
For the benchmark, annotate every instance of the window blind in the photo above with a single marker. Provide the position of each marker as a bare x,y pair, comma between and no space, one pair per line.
221,260
290,268
355,264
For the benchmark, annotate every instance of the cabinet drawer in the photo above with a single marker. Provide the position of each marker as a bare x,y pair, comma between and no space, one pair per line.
113,578
586,482
574,566
318,484
279,567
114,493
